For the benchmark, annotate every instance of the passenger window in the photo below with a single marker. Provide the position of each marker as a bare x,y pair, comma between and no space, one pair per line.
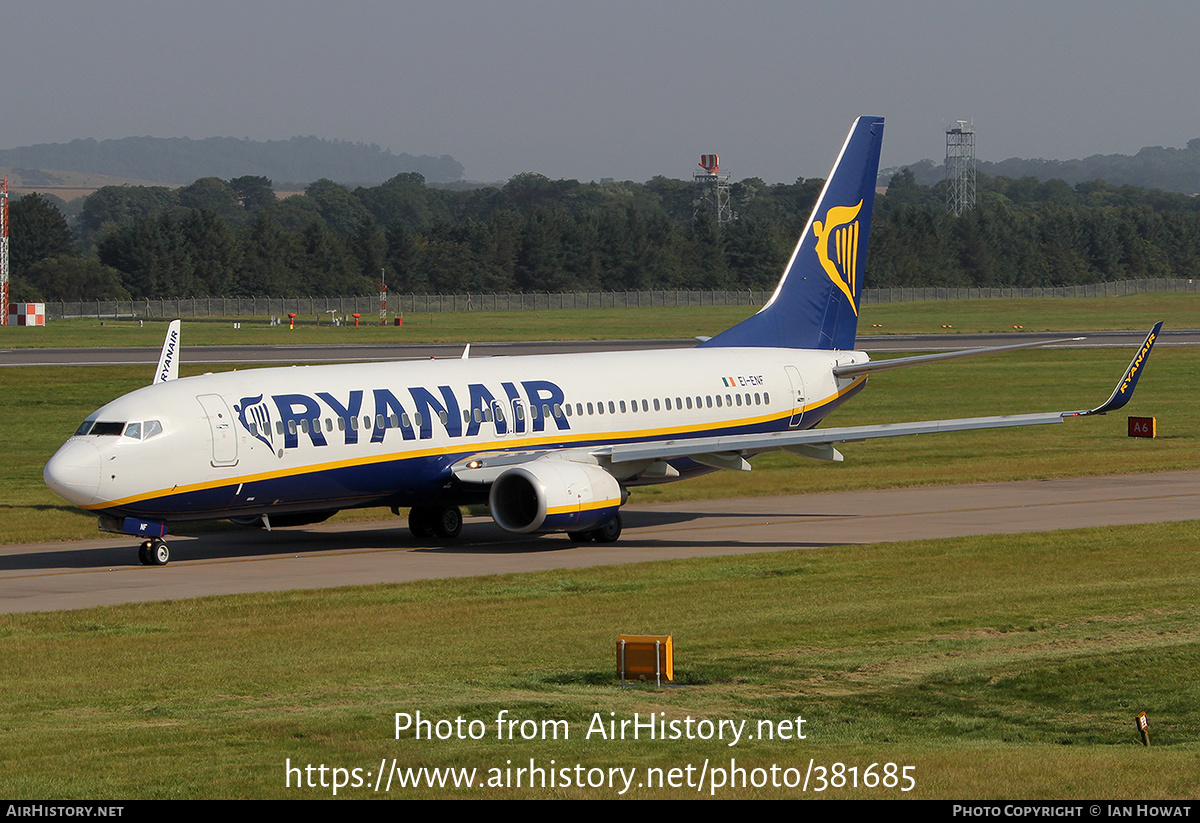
622,407
656,408
766,398
442,416
279,427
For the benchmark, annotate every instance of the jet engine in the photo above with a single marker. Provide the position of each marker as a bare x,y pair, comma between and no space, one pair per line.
554,496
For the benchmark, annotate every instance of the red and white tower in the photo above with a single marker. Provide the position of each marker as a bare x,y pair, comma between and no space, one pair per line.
4,253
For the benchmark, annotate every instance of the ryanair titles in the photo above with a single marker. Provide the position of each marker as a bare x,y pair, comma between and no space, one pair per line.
417,413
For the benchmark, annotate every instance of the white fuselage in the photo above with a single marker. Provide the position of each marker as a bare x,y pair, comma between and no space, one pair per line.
314,438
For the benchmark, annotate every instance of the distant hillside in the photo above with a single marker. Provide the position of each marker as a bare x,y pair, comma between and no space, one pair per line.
1154,167
181,160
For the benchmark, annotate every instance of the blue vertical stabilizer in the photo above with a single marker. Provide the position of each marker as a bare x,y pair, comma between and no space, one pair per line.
815,305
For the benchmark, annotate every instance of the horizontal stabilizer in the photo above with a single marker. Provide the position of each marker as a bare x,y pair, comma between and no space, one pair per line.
854,370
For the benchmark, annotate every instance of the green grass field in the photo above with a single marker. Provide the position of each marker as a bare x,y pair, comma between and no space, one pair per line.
994,667
964,316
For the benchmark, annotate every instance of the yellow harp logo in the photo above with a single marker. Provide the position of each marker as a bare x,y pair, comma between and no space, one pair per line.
839,234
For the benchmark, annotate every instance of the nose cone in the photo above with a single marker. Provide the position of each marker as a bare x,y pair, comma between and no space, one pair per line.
74,471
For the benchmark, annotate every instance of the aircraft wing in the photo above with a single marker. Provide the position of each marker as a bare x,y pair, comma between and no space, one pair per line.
818,442
729,451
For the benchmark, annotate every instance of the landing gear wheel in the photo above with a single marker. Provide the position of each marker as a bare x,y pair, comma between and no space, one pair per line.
448,522
580,537
154,553
610,532
420,523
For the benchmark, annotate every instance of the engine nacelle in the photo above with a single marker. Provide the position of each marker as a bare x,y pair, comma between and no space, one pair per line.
554,496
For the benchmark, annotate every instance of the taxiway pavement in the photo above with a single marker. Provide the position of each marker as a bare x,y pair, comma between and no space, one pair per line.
55,576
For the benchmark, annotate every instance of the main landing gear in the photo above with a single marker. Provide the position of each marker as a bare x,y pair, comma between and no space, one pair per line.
610,532
154,552
429,521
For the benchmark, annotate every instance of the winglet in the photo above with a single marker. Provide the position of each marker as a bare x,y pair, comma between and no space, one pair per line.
168,361
1123,393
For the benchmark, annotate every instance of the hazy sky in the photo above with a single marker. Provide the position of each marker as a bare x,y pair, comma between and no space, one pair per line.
609,89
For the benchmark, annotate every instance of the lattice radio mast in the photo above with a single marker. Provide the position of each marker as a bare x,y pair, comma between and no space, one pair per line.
960,168
712,190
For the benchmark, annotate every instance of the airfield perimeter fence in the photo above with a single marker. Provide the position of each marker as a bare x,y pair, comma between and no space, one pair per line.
368,305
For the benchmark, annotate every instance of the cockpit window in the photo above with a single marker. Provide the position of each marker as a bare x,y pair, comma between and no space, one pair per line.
137,431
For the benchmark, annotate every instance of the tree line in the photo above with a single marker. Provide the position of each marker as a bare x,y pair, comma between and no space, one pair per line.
236,238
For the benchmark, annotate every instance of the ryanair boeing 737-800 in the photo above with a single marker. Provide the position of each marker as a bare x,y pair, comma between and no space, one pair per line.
550,443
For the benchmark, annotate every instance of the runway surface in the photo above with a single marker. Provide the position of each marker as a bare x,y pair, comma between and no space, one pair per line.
351,353
54,576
